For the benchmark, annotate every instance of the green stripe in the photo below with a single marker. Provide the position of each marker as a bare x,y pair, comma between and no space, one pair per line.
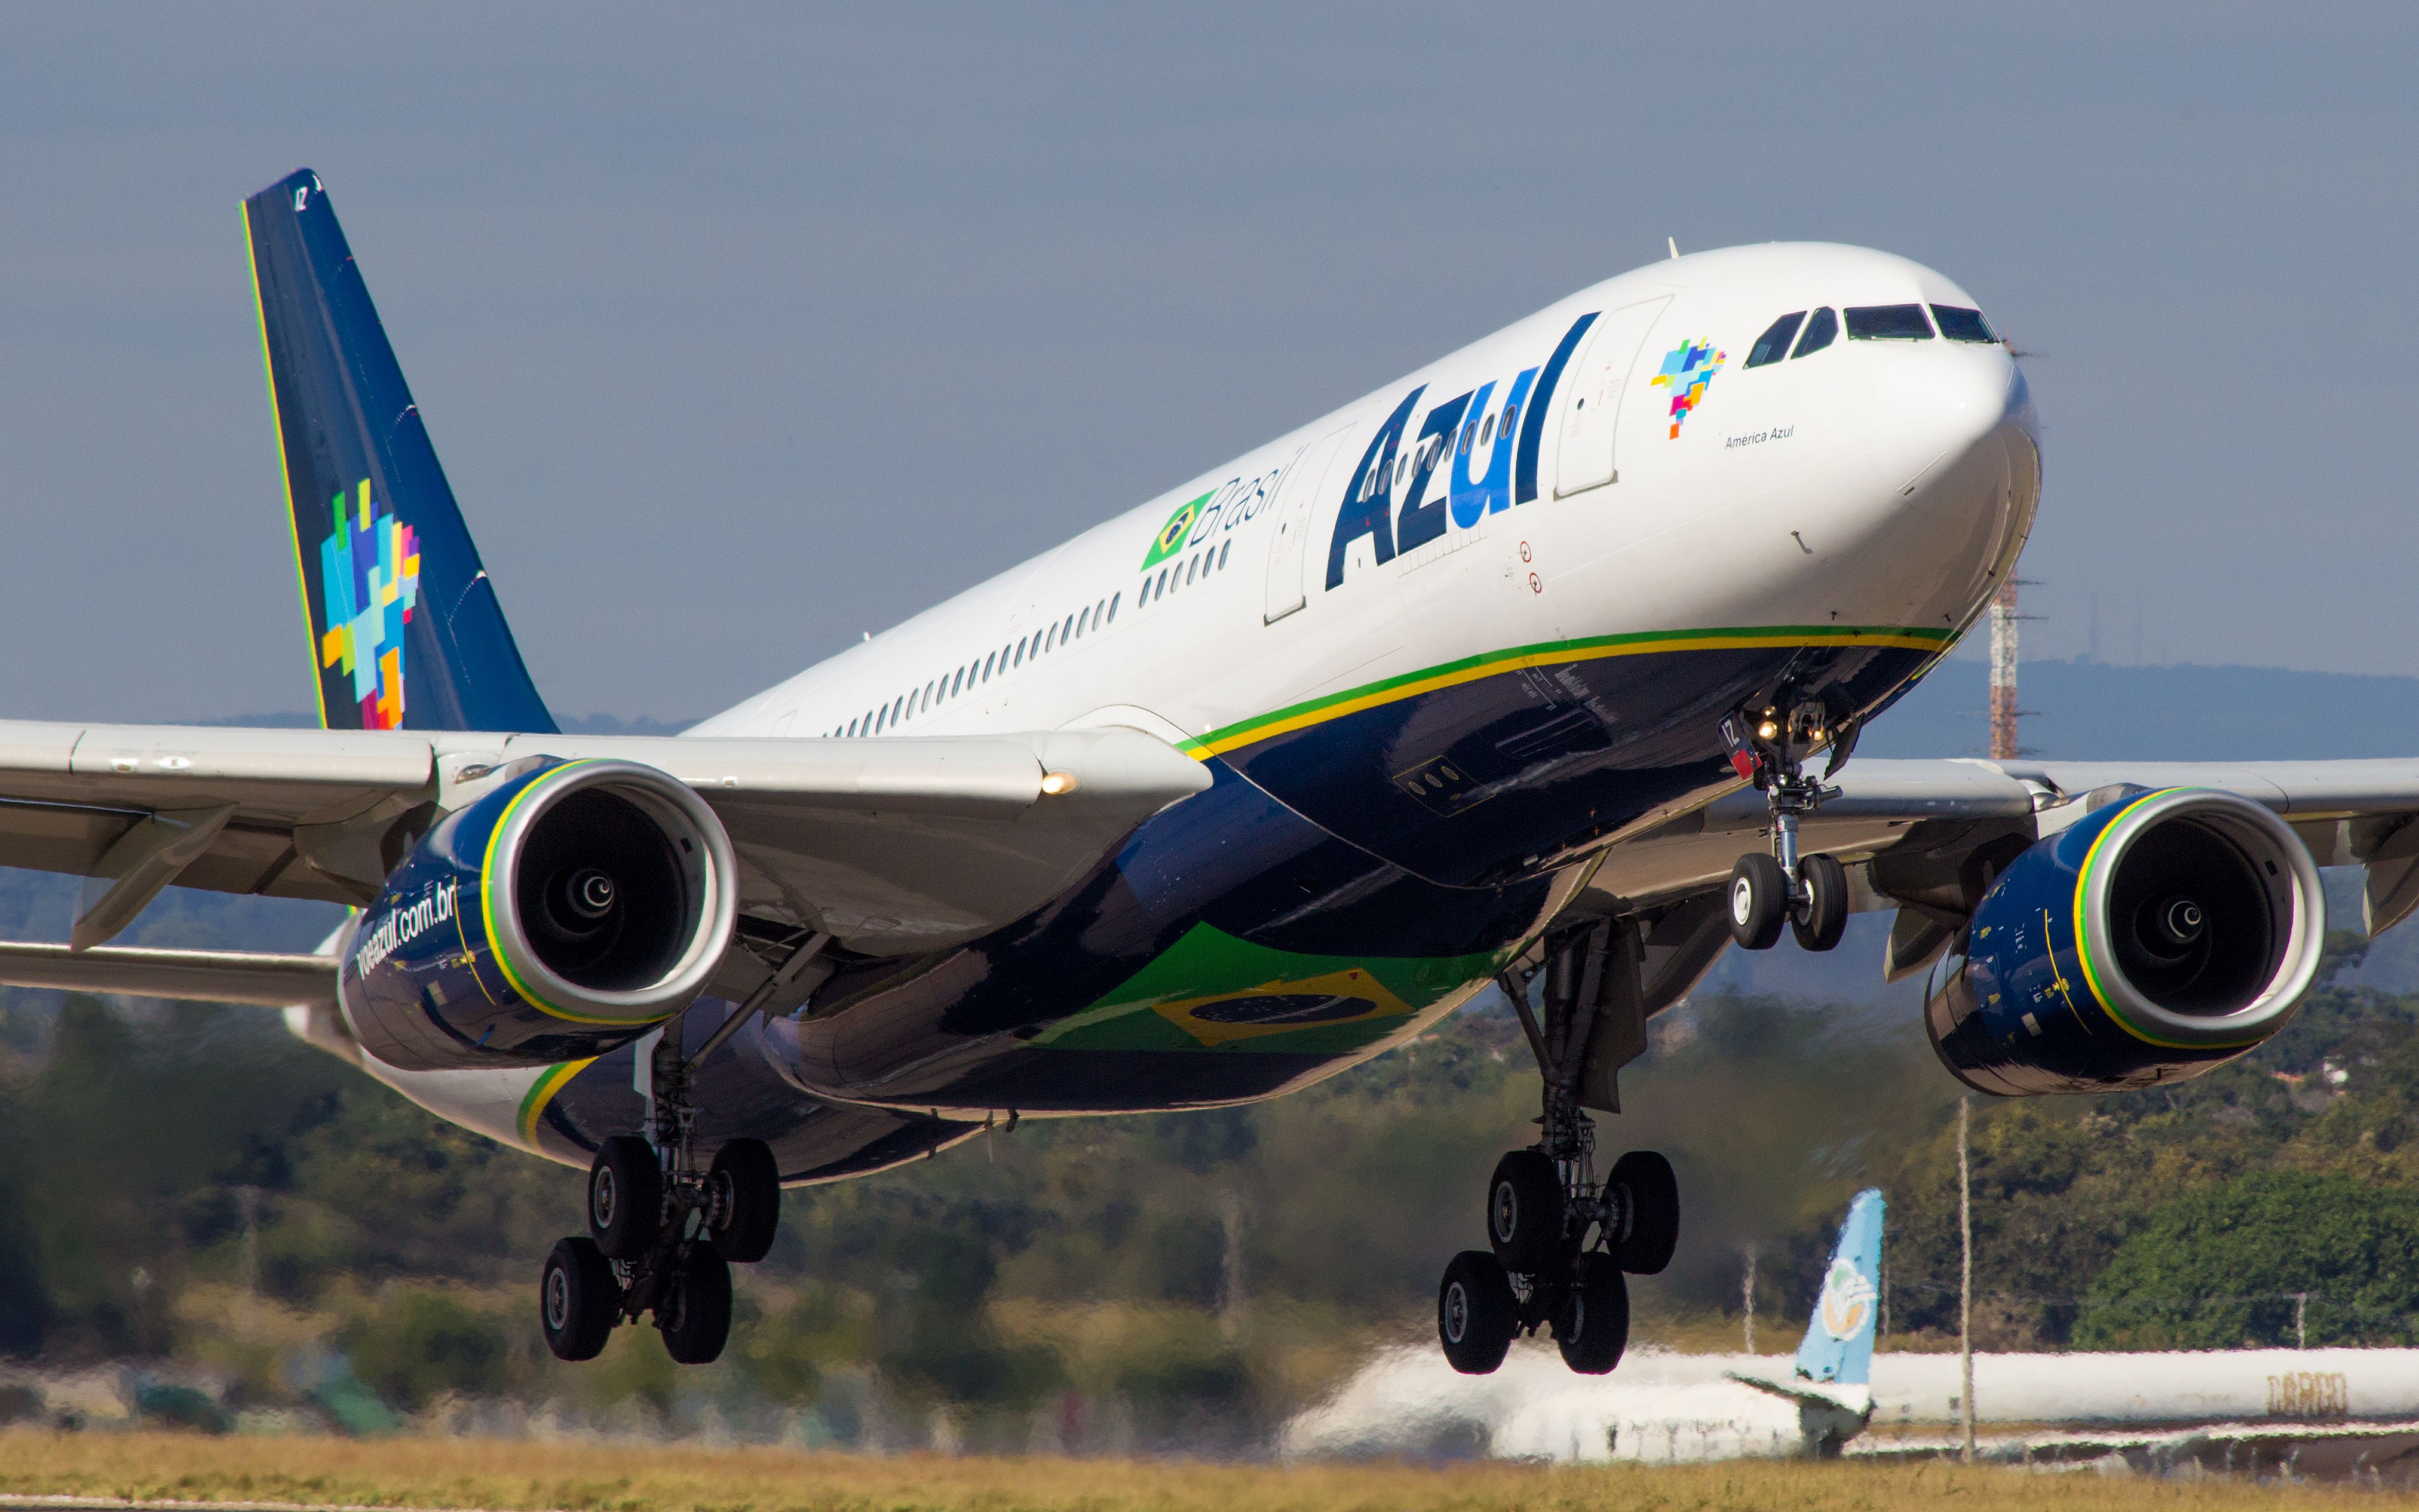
1486,664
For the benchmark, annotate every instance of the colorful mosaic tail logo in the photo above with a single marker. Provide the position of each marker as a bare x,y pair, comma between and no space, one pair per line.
1687,370
369,581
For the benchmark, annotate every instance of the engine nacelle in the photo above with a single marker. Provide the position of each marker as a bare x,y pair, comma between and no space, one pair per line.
560,914
2150,940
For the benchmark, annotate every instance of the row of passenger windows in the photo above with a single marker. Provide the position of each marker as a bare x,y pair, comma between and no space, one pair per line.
1175,574
1866,322
1477,431
958,680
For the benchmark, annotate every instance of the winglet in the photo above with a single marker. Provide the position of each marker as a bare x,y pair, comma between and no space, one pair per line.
406,631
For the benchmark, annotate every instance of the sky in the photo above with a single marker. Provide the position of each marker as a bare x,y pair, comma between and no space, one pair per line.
743,331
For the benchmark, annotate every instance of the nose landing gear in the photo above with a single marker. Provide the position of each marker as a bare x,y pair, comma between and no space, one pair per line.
1809,893
1559,1239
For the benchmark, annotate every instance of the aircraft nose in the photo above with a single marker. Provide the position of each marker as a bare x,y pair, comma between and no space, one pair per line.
1957,470
1934,408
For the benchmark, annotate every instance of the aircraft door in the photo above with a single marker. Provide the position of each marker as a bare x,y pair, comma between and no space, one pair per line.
1303,486
1597,381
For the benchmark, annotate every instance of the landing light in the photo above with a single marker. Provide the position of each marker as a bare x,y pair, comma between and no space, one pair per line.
1767,730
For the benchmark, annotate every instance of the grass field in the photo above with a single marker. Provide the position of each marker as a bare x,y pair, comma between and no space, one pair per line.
449,1472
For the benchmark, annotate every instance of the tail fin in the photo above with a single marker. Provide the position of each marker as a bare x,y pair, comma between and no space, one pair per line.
406,632
1839,1343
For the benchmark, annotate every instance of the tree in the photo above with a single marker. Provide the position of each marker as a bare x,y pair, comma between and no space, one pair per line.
2221,1268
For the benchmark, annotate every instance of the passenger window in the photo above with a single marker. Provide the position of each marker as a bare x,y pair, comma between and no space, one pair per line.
1888,322
957,683
1963,325
1161,591
1191,565
1773,343
1821,328
1112,605
1099,613
1020,651
1066,629
1511,417
1486,431
1226,551
987,661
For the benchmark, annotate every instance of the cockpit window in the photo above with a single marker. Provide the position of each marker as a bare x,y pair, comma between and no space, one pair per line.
1821,331
1773,343
1963,325
1888,322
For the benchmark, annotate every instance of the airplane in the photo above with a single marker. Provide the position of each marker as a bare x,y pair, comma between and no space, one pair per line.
1666,1408
1511,673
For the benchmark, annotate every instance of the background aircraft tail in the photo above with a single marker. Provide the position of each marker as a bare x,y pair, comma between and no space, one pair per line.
1839,1343
406,631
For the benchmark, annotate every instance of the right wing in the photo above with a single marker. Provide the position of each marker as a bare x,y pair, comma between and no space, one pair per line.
892,845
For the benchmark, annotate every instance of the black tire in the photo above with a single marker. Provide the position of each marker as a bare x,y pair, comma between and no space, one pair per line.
625,1197
1819,925
695,1313
1591,1327
1650,1203
1524,1213
1477,1316
1758,901
578,1299
746,1185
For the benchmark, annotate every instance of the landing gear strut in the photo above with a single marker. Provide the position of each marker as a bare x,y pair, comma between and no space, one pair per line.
663,1230
1809,893
1559,1239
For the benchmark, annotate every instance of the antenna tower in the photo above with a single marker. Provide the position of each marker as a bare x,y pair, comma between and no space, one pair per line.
2003,673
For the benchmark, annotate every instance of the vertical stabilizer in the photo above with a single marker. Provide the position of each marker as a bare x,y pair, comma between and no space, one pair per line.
406,631
1839,1343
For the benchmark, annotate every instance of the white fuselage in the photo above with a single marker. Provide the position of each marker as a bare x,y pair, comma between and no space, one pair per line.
1875,483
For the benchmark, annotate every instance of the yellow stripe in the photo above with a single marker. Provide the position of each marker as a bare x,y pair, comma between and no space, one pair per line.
550,1081
1218,744
284,475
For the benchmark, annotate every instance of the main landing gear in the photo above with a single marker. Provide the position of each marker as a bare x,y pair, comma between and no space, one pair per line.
660,1239
1559,1241
663,1231
1809,894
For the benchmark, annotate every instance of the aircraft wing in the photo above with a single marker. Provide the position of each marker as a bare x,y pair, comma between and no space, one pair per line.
1857,1401
1921,836
892,845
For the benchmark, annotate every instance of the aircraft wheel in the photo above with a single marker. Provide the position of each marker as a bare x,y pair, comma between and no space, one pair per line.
695,1316
1524,1213
1650,1198
625,1197
746,1185
1593,1326
578,1299
1819,925
1758,901
1476,1313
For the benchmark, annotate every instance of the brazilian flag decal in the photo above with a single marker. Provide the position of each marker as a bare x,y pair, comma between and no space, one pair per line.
1172,535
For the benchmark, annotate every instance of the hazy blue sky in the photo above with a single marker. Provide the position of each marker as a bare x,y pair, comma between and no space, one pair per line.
740,330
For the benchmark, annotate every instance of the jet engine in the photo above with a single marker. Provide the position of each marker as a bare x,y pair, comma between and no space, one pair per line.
563,913
2160,934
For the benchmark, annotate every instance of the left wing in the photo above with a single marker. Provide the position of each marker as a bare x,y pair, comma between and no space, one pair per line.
1927,837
